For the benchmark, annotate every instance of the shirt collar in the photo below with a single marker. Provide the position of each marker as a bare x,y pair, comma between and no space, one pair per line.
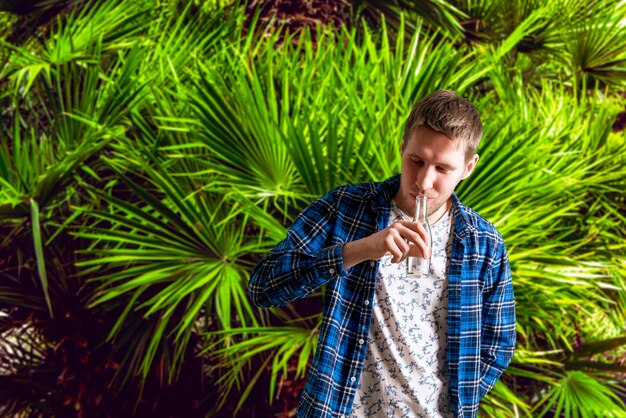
382,194
462,225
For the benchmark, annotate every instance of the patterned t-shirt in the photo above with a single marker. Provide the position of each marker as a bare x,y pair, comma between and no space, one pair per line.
404,374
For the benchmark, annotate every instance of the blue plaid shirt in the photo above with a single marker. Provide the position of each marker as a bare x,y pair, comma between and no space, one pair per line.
481,311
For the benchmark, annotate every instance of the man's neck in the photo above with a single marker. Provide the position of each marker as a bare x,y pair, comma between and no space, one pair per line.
438,214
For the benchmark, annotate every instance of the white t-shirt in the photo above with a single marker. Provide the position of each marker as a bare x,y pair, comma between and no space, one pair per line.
404,374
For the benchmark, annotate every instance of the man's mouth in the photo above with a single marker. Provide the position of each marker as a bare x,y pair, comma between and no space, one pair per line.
414,195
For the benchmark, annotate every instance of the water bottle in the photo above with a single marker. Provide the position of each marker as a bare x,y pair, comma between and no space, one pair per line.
417,265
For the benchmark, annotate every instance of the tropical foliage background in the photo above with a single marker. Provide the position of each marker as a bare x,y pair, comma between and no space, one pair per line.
151,152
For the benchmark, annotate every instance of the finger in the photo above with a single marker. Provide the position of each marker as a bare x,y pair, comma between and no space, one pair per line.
418,237
398,249
418,228
403,250
415,251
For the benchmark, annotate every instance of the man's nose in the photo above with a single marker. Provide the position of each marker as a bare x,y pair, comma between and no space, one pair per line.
425,178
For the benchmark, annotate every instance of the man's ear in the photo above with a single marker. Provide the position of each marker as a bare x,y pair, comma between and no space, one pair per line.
469,166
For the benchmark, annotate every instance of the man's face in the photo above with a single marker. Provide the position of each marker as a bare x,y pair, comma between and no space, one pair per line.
432,164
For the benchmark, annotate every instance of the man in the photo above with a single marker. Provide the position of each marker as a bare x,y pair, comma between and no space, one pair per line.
392,344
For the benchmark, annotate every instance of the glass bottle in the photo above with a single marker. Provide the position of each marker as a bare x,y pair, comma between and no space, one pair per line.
417,265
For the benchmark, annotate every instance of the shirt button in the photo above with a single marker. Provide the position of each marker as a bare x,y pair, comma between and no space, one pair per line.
372,263
353,379
367,302
361,341
331,271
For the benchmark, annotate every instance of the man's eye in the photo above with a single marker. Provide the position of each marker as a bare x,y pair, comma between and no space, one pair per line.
443,170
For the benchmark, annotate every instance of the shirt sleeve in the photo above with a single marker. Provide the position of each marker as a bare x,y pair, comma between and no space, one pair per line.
310,256
498,322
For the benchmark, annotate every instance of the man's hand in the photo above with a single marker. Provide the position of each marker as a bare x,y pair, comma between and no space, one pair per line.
395,240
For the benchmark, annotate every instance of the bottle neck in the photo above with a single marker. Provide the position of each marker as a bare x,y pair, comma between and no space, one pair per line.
421,209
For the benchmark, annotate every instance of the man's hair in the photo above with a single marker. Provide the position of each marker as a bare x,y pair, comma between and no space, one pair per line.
446,112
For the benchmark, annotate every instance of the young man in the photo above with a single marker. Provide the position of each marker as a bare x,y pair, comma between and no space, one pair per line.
392,344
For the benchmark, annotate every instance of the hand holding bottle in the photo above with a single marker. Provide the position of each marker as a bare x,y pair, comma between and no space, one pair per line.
400,240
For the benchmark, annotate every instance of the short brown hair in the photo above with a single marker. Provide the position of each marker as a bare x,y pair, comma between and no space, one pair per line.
446,112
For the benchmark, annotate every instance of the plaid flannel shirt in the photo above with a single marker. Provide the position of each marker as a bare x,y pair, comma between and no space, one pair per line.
481,311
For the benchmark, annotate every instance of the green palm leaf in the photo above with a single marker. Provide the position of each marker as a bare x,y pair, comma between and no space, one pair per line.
579,395
278,344
173,252
598,52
